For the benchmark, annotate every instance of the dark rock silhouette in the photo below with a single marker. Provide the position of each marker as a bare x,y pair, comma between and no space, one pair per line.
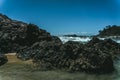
109,30
71,35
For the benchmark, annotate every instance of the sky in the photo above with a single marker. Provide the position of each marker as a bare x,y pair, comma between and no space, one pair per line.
64,16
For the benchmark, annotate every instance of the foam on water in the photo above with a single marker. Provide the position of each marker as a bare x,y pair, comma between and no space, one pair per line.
78,39
81,39
118,41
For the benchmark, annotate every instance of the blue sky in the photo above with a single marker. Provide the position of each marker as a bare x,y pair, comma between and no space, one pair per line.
64,16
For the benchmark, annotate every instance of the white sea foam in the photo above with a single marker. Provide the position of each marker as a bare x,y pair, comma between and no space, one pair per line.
78,39
81,39
118,41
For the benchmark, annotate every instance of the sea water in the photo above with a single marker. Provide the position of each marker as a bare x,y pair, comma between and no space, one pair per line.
78,39
82,39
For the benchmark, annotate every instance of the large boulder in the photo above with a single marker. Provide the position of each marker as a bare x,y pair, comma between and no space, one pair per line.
78,57
71,56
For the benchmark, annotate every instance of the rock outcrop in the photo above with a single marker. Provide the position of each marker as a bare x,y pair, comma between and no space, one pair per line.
16,34
107,45
40,49
73,56
94,57
31,42
109,30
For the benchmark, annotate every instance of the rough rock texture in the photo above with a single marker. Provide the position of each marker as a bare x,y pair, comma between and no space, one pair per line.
48,52
39,49
106,45
73,56
94,57
16,34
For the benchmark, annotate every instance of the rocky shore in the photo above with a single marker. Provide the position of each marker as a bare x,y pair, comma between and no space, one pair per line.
109,30
48,52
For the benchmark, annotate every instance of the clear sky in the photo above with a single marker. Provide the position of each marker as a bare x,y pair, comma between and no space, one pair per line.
64,16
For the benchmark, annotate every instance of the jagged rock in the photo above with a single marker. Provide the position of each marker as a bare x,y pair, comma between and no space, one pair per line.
107,45
47,51
82,58
72,56
26,52
17,34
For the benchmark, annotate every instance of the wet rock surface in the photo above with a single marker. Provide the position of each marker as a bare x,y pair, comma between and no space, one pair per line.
46,51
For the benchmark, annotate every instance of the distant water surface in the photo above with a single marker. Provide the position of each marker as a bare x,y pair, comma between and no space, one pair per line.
81,39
